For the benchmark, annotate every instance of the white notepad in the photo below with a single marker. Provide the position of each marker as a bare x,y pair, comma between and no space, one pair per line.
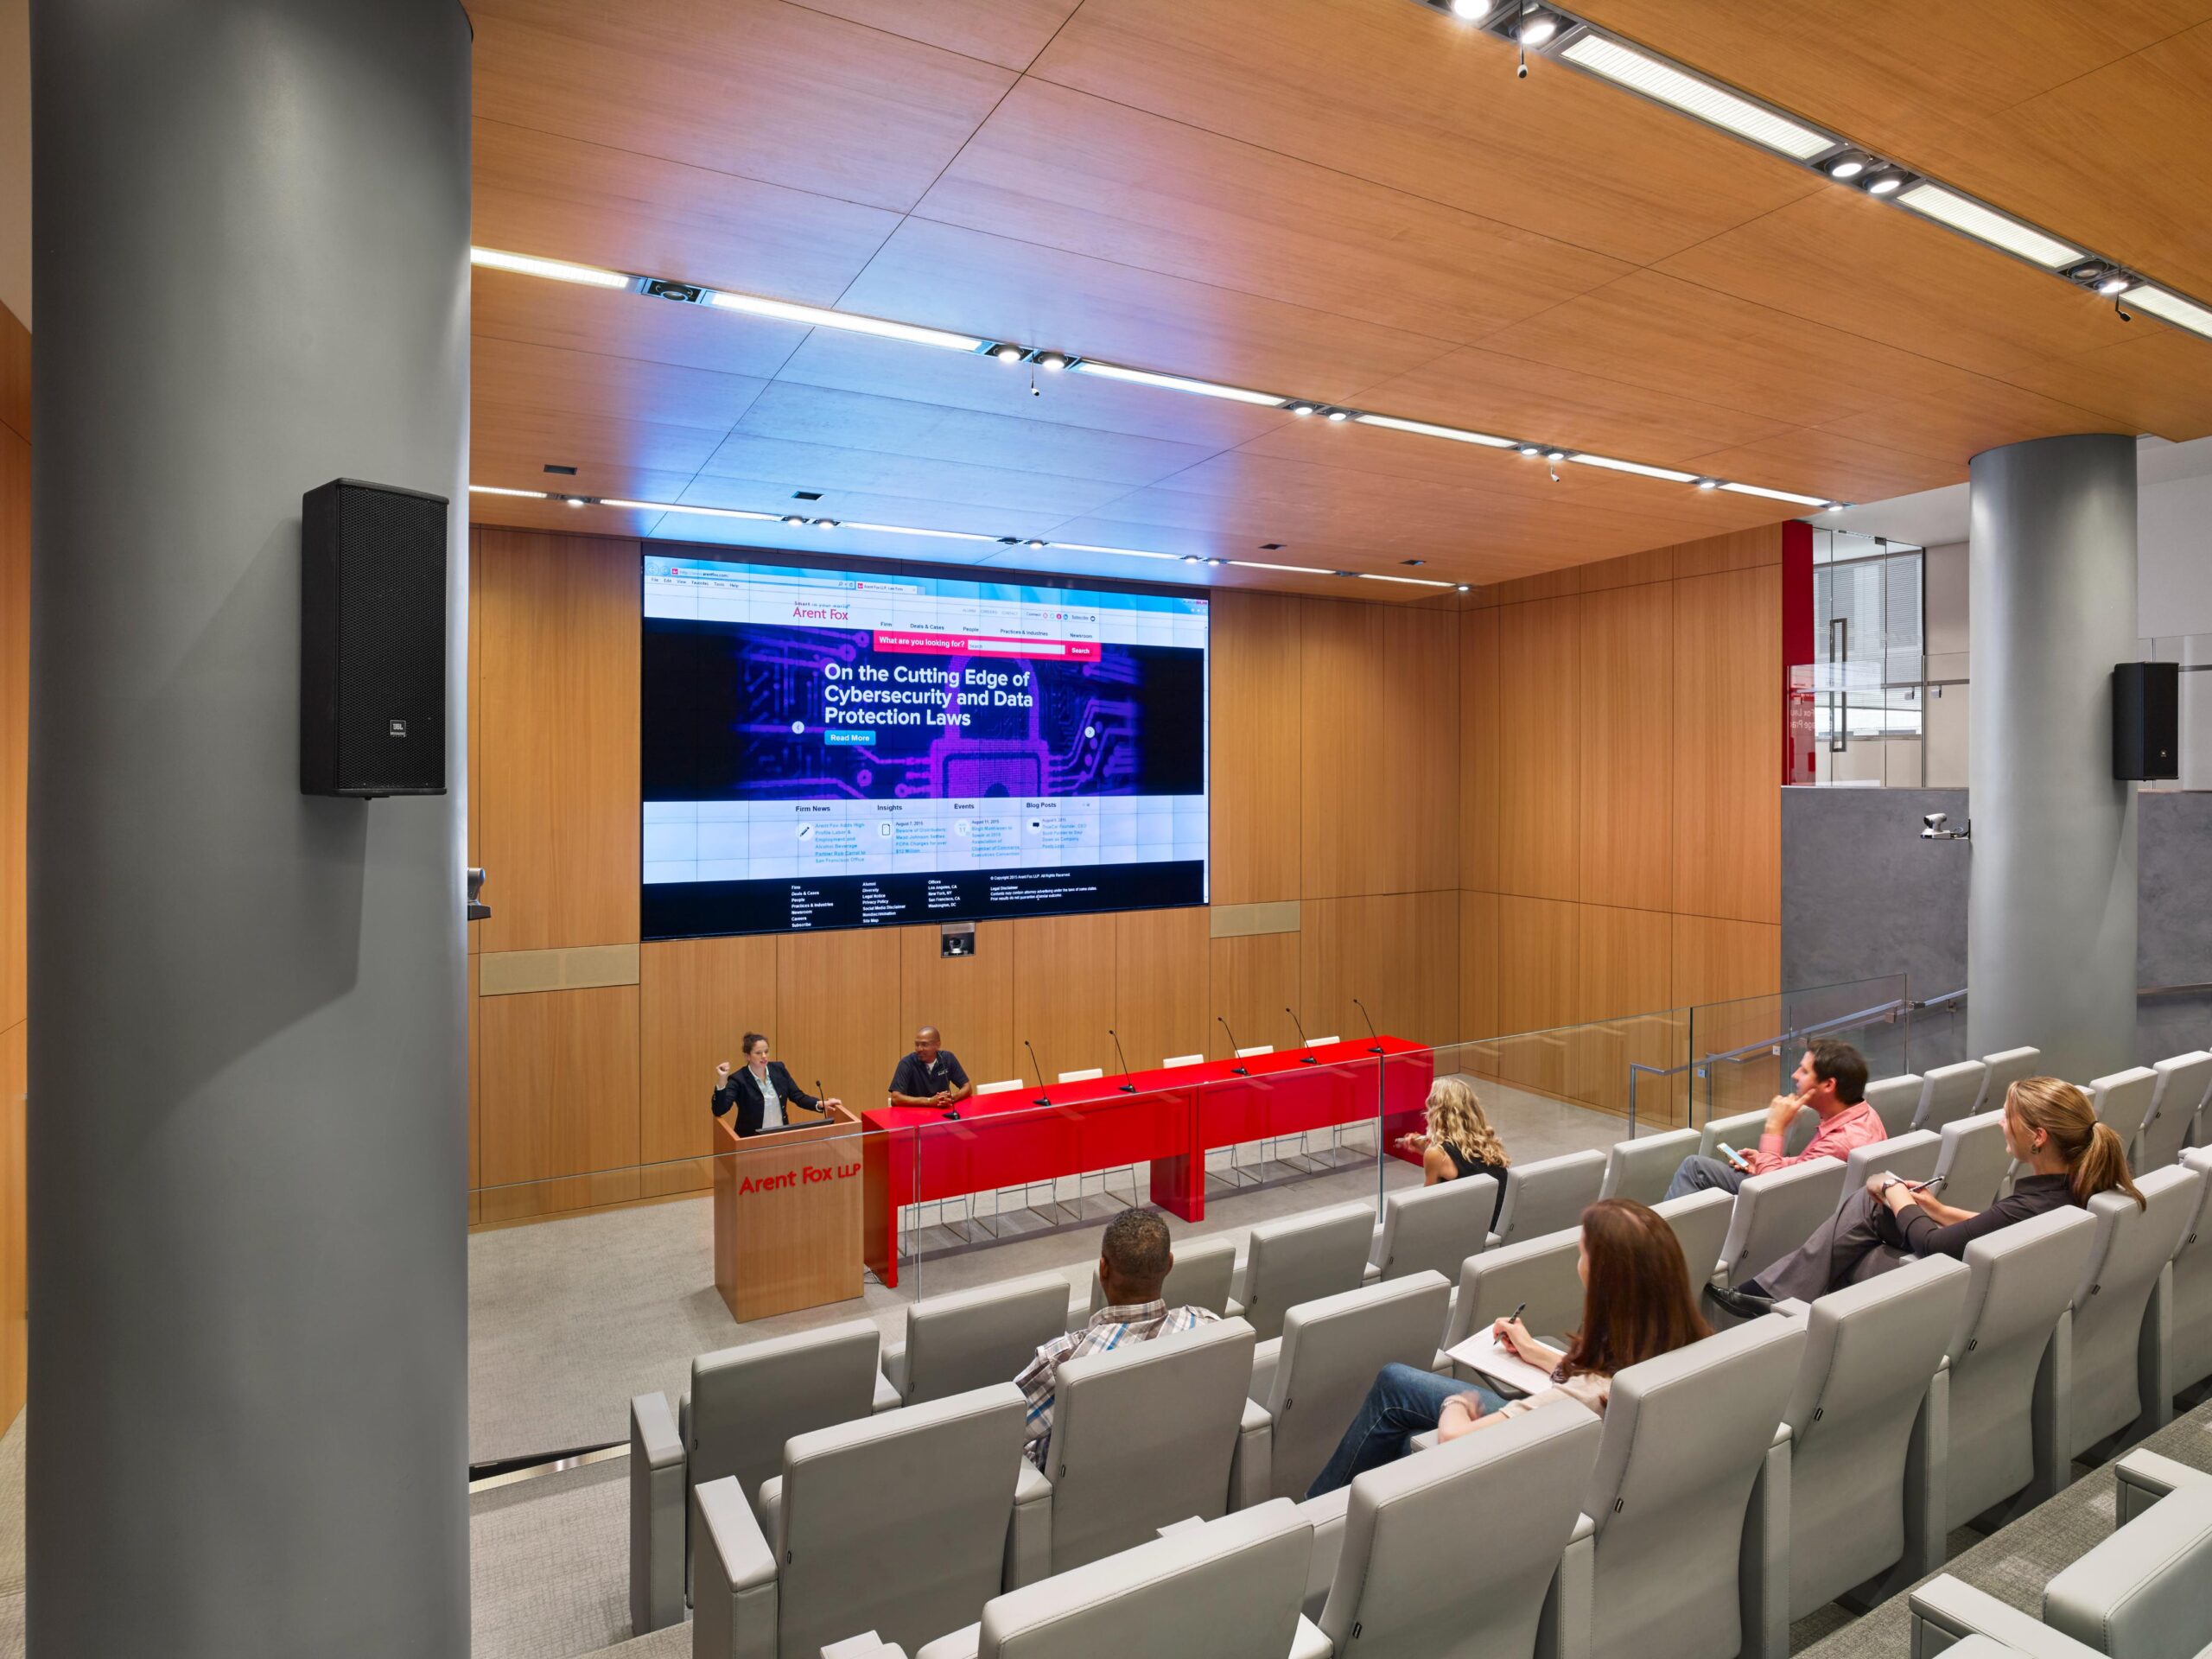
1485,1353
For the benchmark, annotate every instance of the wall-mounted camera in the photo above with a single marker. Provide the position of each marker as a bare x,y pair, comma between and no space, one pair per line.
1931,828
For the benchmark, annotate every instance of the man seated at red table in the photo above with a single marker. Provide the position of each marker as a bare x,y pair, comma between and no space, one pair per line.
1133,1267
931,1076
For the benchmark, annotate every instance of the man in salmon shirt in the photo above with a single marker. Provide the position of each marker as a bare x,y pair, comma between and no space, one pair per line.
1831,1079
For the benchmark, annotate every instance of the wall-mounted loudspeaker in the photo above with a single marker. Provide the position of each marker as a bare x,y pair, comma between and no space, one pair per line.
372,641
2146,720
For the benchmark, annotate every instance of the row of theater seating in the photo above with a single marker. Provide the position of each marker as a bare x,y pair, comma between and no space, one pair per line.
2055,1335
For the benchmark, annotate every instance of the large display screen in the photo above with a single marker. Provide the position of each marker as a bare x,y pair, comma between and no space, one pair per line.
833,748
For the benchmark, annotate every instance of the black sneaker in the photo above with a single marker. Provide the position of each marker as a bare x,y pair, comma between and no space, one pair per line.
1744,1302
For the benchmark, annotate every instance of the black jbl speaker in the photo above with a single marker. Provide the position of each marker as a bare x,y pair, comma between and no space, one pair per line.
2146,720
372,641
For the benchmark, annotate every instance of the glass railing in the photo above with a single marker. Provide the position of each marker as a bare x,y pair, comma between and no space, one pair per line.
1899,720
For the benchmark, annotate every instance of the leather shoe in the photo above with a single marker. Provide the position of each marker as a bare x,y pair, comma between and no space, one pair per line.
1745,1304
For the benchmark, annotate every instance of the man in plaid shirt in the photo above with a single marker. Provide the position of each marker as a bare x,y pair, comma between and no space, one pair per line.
1132,1268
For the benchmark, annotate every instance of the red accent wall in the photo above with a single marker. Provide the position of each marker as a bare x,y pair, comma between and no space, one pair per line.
1796,650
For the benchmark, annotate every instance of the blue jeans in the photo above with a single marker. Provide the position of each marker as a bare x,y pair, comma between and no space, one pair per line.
1699,1172
1401,1402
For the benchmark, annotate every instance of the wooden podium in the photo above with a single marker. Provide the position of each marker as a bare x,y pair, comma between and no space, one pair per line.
787,1214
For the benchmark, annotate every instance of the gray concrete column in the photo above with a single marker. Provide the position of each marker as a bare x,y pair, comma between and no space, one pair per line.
248,1416
2050,909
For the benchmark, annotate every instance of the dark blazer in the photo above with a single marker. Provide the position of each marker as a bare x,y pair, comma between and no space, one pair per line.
743,1093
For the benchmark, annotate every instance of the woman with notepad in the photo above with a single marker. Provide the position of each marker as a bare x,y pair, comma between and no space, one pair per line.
1637,1303
1460,1141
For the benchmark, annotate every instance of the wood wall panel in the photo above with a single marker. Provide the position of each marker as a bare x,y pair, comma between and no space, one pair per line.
696,999
1160,969
837,1014
560,1090
1728,712
1255,756
1624,969
1539,818
1477,965
1741,550
1415,739
1398,953
969,999
557,820
1062,994
15,713
1479,707
1718,961
1626,747
1250,980
1539,988
1342,828
15,1253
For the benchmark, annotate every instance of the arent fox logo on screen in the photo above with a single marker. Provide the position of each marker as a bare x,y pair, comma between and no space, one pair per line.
821,612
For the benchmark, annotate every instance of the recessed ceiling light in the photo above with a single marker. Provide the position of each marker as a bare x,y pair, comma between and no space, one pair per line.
1673,475
573,500
2182,313
1970,218
1538,30
912,530
1191,558
815,316
2112,285
793,519
494,489
1655,79
1291,569
700,512
1053,360
1303,409
1125,552
1884,184
1216,562
1340,413
825,523
559,270
1033,544
1006,353
1708,483
1410,581
1424,429
1469,9
1462,588
1530,449
1177,382
1849,166
1554,454
1776,495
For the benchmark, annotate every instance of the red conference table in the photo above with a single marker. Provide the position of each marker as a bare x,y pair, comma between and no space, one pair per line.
915,1154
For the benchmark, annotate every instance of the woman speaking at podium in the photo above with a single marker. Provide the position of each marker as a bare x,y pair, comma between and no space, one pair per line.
759,1089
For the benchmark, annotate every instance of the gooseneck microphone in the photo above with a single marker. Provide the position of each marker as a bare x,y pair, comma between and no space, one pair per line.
1369,1018
1308,1058
1041,1097
1127,1088
818,1097
1234,1070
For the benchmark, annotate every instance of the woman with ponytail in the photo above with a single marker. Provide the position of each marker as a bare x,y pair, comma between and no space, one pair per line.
2050,1126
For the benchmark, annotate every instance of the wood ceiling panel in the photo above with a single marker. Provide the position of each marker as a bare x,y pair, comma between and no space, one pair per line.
1096,178
856,362
1848,468
1008,32
1489,391
840,471
1400,95
513,513
512,447
1962,414
991,285
506,373
2160,378
562,199
2115,158
757,88
928,431
1900,73
843,500
1842,258
504,306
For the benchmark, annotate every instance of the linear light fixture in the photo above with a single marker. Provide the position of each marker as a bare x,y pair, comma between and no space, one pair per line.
559,270
1410,581
1779,495
1693,96
2171,308
815,316
494,489
1427,429
1672,474
1180,383
1123,552
1969,218
1289,569
678,506
912,530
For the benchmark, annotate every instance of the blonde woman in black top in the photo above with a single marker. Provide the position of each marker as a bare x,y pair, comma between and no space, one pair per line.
1460,1141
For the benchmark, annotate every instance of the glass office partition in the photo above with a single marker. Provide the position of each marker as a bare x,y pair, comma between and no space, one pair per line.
1745,1050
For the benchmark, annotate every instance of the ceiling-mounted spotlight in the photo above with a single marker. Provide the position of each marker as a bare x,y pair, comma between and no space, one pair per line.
1033,544
1462,588
1885,183
1006,353
1537,28
1051,359
573,500
1554,454
793,519
2112,285
1530,450
1340,413
1708,483
1469,9
1191,558
1849,165
1305,409
825,523
1215,563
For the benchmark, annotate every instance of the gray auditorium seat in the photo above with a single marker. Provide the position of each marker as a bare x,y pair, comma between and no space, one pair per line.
2123,1100
904,1523
1545,1196
1895,1101
1642,1168
973,1337
1867,1421
1910,1157
2192,1283
1947,1093
1433,1229
2122,1310
1700,1224
1299,1258
2145,1592
2012,1358
1146,1434
1311,1383
1397,1572
1677,1499
1743,1132
1972,1160
1228,1589
1200,1277
2170,1123
1539,1272
743,1404
1775,1213
2001,1070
